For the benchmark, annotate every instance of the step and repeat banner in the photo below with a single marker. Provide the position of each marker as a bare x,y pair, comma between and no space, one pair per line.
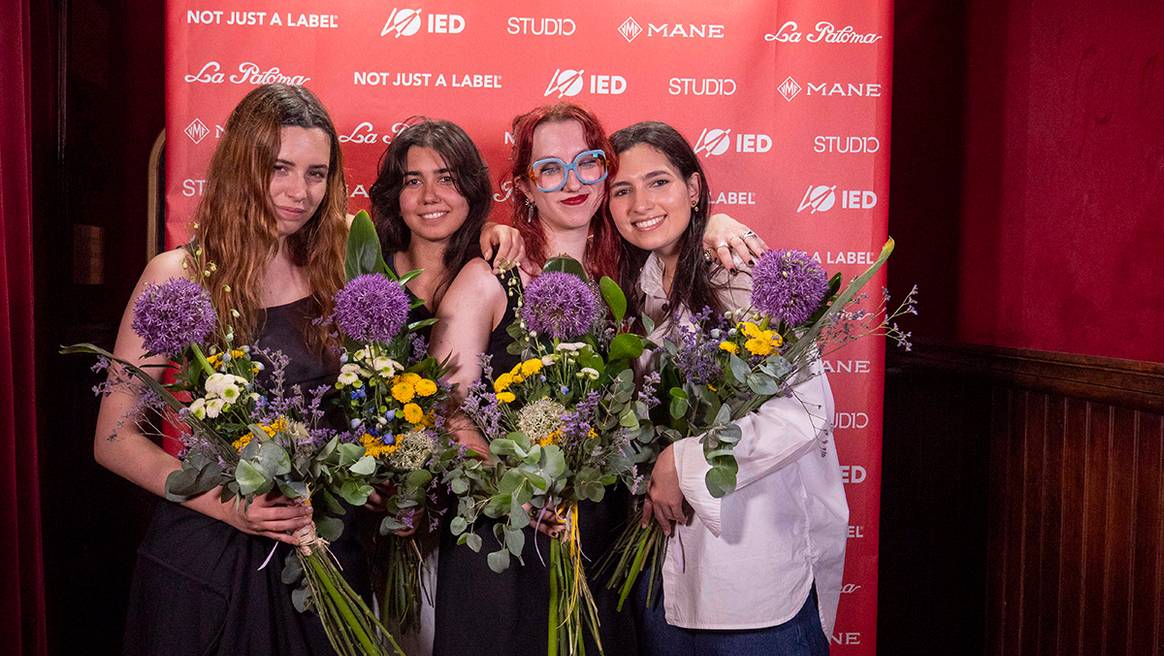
786,101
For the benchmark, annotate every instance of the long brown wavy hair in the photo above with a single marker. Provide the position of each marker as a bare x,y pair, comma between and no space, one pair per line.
602,247
236,223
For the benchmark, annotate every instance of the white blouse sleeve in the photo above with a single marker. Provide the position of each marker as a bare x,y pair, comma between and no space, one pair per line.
780,431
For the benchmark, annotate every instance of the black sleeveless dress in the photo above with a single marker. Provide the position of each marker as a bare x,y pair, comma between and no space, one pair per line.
197,587
481,612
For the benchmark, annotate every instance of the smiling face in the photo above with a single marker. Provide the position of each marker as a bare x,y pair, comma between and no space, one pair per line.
430,204
572,207
299,179
650,201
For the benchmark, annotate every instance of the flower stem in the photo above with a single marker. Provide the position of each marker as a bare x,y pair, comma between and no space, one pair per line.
555,564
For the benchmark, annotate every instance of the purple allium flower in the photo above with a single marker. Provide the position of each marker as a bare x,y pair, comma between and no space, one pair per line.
371,308
173,315
788,286
560,305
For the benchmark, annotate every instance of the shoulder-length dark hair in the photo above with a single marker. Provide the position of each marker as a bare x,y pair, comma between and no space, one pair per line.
691,286
470,176
601,257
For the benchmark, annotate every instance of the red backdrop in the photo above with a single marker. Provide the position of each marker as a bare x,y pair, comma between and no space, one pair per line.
788,102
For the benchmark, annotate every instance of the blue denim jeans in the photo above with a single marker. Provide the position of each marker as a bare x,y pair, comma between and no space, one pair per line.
800,636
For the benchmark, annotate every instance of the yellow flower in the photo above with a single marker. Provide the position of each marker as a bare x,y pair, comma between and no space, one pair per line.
518,378
502,383
375,447
506,397
425,387
531,367
551,438
759,346
276,426
592,434
413,414
750,329
516,371
408,377
403,392
242,442
730,347
777,340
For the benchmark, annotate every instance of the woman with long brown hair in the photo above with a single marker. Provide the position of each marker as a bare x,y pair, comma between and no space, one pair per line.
272,224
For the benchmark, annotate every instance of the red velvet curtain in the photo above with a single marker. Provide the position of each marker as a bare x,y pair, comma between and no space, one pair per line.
22,618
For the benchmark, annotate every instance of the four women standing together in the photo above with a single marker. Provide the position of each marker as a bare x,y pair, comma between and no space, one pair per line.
746,572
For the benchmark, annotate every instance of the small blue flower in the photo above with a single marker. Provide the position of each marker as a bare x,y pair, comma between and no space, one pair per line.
389,440
564,389
390,415
356,423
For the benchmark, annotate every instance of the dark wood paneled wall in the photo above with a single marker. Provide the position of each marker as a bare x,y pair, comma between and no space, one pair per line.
1054,469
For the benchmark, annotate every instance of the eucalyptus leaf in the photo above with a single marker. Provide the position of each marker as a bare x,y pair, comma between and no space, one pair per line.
721,480
473,541
739,368
628,419
762,384
555,462
300,599
250,478
458,525
515,539
329,528
498,560
365,466
292,571
390,524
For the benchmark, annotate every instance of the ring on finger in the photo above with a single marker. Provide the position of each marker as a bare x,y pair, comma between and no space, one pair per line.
707,255
722,244
747,233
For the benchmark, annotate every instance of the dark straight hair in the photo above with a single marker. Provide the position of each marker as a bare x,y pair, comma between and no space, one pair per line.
691,286
470,176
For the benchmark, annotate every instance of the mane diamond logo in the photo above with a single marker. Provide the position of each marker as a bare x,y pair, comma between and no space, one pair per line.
630,29
197,131
789,88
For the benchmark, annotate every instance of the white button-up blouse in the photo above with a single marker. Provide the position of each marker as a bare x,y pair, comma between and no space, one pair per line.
749,560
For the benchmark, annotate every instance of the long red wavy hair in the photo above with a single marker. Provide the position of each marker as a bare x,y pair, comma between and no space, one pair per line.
602,248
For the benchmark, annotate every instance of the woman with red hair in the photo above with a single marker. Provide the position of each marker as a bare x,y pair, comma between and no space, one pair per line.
561,160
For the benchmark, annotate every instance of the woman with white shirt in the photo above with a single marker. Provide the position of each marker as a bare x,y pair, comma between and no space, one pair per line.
759,570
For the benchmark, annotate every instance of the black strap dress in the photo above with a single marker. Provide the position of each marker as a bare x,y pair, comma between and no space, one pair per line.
197,587
481,612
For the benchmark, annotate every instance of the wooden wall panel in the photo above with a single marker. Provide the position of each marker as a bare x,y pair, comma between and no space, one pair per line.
1073,546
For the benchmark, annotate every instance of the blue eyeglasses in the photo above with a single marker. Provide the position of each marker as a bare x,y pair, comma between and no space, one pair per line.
550,174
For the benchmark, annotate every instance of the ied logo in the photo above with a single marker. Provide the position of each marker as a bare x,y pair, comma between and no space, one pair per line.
197,131
566,82
789,88
713,142
820,198
404,22
630,29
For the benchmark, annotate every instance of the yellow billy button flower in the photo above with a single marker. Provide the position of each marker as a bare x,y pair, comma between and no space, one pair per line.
425,387
730,347
375,447
413,414
750,329
506,397
242,442
552,438
502,383
403,392
409,377
531,367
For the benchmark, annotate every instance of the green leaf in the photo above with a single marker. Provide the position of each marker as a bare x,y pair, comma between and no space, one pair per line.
648,324
329,528
459,485
614,297
498,560
250,478
762,385
473,540
626,346
505,447
628,419
566,265
389,524
515,538
292,489
739,368
364,466
458,525
720,480
555,462
274,458
349,453
363,253
418,479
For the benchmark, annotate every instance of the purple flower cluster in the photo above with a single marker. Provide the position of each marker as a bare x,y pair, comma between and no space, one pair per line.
788,286
576,424
560,305
371,308
173,315
697,355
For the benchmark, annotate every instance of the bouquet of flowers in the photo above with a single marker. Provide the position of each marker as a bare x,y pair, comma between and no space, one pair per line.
391,391
718,369
559,426
249,439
